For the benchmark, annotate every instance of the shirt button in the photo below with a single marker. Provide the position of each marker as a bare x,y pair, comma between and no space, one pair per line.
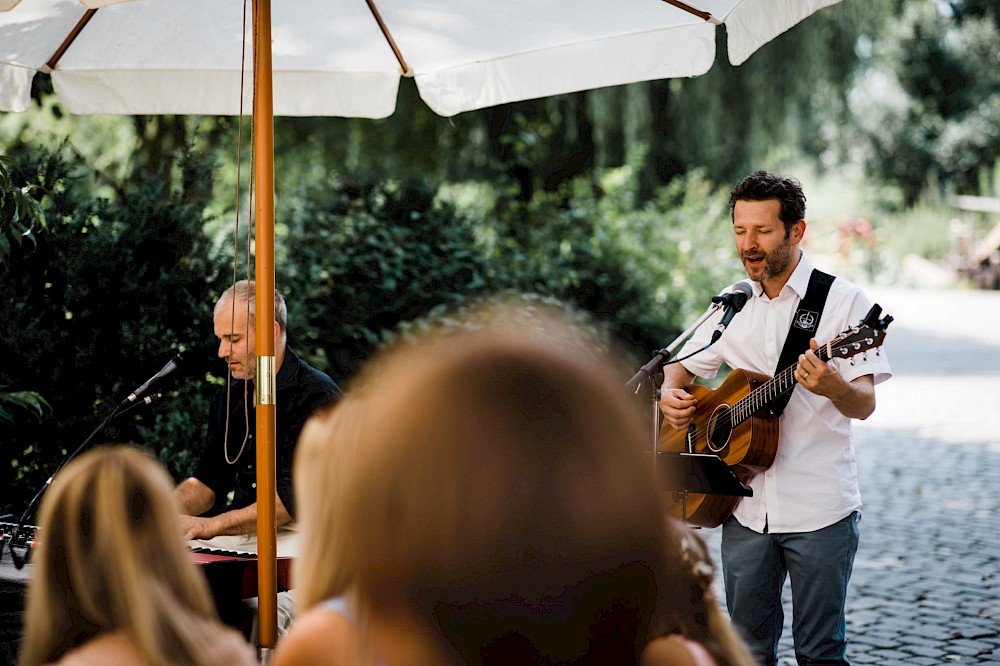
253,485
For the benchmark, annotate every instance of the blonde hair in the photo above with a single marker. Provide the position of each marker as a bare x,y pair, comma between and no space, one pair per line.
111,558
326,449
500,495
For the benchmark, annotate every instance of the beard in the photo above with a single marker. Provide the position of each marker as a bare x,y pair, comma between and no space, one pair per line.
775,261
246,369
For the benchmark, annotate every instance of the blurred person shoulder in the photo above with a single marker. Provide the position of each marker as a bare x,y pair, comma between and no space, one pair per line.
675,650
106,649
230,648
319,637
115,649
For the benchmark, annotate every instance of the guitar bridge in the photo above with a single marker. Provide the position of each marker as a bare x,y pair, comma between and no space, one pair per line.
690,437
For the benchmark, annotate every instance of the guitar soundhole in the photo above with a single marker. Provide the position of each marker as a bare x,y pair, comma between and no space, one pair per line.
720,427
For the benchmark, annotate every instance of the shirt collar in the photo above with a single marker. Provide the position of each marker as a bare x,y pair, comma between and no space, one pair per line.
289,369
798,281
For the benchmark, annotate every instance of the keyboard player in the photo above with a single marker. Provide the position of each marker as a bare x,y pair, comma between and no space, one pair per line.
218,501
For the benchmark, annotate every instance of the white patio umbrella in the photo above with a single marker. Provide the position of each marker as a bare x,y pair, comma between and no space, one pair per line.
345,58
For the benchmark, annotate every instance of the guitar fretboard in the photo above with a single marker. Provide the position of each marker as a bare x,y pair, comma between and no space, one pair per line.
845,345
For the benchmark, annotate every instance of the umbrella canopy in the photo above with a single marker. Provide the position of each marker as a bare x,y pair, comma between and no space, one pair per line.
344,57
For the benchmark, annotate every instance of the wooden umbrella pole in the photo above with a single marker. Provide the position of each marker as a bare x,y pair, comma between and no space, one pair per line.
263,124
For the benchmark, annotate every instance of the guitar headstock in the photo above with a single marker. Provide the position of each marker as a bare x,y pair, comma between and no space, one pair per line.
871,319
868,334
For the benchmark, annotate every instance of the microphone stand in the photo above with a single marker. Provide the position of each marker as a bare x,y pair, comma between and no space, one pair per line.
15,538
653,370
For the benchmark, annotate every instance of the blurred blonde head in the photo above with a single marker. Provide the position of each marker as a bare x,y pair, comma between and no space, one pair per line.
500,498
110,558
326,450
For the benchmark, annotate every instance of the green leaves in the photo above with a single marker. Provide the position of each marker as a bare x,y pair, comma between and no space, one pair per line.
20,211
26,401
357,261
112,289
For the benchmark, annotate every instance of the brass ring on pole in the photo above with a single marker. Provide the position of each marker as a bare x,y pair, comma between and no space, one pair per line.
265,380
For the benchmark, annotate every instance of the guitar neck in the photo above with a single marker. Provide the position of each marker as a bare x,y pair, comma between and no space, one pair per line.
868,334
764,394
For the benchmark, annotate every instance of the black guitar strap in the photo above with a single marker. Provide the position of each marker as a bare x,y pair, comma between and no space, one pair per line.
804,325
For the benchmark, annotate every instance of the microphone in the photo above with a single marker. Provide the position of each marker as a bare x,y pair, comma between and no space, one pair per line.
734,302
146,393
152,384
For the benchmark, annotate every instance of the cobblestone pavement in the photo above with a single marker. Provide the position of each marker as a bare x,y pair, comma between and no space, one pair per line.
926,583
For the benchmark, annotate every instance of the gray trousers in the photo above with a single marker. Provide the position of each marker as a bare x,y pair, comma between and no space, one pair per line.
819,565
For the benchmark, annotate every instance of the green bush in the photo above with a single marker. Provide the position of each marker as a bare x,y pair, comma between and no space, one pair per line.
644,272
113,289
21,213
356,261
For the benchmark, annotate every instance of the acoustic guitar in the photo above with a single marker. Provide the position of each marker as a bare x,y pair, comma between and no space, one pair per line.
733,422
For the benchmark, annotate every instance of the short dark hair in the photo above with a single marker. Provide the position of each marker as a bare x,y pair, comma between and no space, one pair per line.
762,186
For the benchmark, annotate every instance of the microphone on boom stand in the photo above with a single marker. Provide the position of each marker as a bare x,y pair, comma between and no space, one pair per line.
734,302
145,394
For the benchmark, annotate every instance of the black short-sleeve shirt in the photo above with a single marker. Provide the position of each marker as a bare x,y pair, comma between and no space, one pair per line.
300,390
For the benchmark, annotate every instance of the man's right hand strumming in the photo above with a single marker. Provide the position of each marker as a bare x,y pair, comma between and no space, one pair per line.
676,404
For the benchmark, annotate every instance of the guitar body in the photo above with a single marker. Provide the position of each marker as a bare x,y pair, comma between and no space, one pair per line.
747,448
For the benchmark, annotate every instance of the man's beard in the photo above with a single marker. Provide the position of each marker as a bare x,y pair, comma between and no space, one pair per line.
247,369
775,262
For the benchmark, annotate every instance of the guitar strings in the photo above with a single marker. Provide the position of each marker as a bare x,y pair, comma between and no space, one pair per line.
748,404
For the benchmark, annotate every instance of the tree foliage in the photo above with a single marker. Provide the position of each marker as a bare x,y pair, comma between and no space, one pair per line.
21,212
25,401
112,287
359,259
726,123
929,104
20,216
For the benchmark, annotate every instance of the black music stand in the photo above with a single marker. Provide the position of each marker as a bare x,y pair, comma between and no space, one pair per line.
705,473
